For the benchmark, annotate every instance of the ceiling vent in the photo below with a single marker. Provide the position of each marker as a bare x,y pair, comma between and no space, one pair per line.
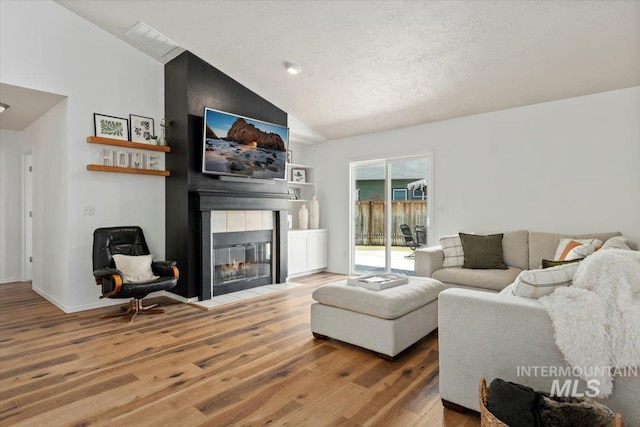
150,39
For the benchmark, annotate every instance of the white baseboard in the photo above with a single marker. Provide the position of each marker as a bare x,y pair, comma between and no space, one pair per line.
106,302
10,280
305,273
78,308
49,298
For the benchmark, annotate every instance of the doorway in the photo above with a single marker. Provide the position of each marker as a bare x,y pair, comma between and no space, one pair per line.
27,217
387,194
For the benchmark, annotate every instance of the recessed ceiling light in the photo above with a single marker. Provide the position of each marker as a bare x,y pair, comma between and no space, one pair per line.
3,107
292,68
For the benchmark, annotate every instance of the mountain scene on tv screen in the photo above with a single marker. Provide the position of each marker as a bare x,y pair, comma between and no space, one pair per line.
244,150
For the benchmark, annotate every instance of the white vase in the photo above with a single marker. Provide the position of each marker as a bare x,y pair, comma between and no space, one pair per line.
303,217
314,214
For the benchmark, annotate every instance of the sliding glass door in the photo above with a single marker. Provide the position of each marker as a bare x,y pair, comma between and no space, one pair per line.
389,213
369,217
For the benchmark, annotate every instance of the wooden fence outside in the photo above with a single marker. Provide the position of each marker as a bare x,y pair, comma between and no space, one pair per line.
370,220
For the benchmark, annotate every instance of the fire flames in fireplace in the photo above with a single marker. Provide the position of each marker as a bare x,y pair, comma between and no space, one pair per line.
236,269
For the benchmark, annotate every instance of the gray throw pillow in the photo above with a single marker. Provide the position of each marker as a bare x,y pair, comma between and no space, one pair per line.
484,251
546,263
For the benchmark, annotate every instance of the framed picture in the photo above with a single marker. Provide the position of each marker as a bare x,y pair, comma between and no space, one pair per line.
299,175
111,127
296,193
142,129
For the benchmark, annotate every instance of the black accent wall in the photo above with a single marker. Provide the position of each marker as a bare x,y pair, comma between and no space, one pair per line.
191,84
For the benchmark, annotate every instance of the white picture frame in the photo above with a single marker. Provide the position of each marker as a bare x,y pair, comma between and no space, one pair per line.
298,175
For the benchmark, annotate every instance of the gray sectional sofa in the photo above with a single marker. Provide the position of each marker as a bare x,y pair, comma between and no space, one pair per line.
522,250
485,334
482,334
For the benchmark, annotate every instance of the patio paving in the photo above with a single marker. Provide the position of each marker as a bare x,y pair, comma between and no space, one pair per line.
371,258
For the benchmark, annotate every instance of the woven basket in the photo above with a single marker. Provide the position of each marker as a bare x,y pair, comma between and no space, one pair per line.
487,419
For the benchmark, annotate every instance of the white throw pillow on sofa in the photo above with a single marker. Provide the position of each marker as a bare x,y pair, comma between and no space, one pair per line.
507,291
620,242
453,252
580,252
136,269
569,249
537,283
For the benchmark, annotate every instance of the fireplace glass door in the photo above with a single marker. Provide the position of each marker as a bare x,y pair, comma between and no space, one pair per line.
242,263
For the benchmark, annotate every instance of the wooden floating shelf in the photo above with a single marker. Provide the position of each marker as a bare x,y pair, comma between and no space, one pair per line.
128,144
101,168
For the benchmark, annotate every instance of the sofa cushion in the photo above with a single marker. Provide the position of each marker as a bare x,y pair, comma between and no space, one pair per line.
483,252
546,263
494,280
620,242
452,249
515,248
541,282
544,245
575,248
582,251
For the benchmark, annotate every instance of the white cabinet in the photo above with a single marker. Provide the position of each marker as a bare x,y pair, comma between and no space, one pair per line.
297,261
308,251
317,250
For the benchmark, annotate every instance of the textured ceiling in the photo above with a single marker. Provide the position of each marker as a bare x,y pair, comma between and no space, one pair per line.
370,66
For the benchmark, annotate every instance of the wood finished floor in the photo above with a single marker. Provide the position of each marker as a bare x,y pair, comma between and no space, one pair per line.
251,363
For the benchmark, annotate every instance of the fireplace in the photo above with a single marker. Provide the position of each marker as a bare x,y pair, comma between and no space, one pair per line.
241,260
246,227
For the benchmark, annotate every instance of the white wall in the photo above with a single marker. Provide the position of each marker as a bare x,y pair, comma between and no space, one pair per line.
566,166
302,153
50,204
46,47
10,206
301,140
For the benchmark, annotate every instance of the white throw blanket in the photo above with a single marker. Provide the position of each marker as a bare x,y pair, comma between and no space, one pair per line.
597,319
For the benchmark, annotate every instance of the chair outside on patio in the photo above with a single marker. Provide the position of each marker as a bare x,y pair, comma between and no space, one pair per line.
409,240
421,235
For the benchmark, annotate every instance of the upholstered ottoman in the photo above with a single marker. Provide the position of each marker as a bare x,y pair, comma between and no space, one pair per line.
386,321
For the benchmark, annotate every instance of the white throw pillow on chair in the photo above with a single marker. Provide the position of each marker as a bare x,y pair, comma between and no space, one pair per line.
136,269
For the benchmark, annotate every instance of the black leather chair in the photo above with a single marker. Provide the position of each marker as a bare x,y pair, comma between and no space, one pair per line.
128,241
420,239
408,239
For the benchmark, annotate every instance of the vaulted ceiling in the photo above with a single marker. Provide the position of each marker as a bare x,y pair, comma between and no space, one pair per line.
369,66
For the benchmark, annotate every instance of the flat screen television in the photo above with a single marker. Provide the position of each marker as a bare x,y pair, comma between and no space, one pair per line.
240,146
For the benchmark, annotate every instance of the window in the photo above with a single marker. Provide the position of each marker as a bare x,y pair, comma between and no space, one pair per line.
399,194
